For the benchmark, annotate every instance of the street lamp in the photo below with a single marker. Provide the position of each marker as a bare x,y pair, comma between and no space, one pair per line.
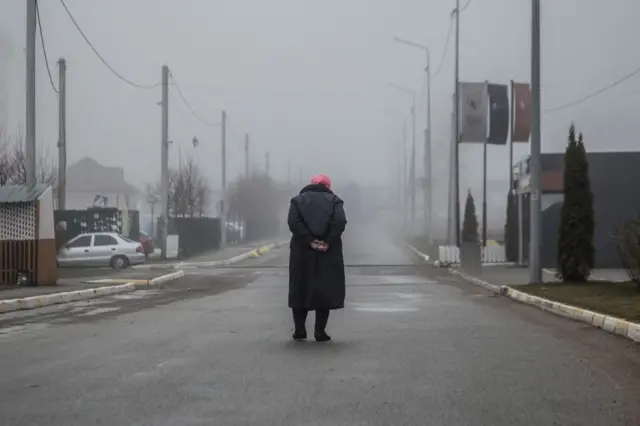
402,175
412,169
428,198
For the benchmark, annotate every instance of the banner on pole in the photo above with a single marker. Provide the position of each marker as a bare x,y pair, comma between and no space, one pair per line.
498,114
522,112
473,112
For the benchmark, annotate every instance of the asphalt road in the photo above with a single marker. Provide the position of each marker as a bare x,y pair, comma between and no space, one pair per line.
412,347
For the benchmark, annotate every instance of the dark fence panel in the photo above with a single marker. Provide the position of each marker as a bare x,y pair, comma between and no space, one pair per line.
95,220
197,234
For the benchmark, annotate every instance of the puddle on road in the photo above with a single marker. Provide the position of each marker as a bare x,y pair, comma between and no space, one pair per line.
8,331
98,311
386,309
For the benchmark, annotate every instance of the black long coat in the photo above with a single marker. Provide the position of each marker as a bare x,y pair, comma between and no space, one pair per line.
316,279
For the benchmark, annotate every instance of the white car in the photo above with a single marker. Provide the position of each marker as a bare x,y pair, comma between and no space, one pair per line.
101,249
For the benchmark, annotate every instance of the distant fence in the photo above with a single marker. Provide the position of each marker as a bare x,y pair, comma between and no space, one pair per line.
96,220
490,254
196,234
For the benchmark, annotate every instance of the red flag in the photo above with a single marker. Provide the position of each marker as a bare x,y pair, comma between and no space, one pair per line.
521,112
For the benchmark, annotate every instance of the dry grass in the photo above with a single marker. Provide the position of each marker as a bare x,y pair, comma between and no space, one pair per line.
619,299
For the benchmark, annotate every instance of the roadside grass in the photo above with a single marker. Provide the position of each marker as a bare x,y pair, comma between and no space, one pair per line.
618,299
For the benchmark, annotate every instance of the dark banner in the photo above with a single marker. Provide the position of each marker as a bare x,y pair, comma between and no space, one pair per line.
521,112
498,114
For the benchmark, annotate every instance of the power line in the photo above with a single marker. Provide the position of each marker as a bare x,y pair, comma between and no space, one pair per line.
446,48
594,94
44,49
116,73
465,6
174,83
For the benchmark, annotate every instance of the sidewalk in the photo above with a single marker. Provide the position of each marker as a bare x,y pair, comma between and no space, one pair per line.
8,293
82,284
516,275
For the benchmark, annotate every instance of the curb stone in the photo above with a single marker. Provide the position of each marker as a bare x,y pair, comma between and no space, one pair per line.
477,281
34,302
608,323
262,250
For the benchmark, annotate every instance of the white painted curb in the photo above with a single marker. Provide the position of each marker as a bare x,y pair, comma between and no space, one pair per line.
34,302
608,323
166,278
417,252
477,281
262,250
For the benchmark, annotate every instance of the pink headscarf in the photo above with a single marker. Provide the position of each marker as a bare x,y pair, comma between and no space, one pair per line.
321,180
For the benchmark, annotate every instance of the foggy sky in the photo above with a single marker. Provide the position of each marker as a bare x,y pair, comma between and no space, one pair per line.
308,79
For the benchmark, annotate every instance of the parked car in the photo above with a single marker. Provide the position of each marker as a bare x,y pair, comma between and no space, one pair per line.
147,243
101,249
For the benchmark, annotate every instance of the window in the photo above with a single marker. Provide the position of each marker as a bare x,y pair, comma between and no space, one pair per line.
84,241
104,240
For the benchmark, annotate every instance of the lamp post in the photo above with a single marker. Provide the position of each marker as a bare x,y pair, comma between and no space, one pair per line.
428,188
412,165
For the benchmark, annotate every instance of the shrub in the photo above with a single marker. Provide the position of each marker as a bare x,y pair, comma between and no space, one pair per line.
576,252
470,222
627,240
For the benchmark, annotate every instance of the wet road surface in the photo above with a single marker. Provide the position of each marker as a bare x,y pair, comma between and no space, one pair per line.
412,347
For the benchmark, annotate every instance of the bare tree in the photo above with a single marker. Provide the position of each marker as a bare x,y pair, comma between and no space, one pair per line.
13,169
189,191
259,203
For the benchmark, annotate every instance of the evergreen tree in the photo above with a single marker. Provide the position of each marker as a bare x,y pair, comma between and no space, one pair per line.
576,253
511,228
470,223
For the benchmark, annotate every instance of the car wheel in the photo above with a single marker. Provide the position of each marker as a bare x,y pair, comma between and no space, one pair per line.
119,262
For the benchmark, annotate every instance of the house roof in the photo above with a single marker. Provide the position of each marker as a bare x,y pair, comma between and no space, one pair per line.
87,175
10,194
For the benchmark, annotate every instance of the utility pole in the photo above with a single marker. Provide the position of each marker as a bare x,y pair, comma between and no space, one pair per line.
289,172
246,155
62,134
428,208
484,179
535,272
164,167
223,207
30,134
456,152
405,177
266,163
412,173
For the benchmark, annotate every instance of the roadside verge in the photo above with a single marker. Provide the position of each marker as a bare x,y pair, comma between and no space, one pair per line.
33,302
608,323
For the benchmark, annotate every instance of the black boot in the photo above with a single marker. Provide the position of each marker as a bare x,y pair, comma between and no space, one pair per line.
322,317
299,320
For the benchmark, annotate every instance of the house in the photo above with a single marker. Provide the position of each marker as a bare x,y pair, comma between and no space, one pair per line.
614,179
90,184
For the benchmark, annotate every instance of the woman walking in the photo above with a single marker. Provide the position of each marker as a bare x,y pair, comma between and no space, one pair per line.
316,266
